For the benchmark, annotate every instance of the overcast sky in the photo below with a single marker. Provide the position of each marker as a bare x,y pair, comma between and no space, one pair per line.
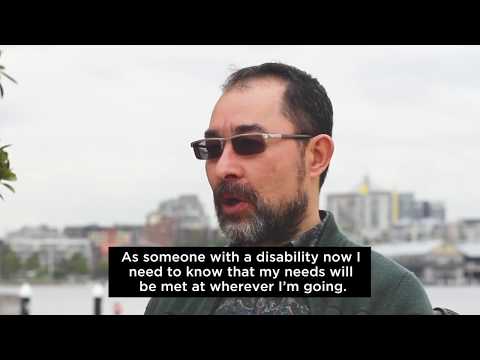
101,134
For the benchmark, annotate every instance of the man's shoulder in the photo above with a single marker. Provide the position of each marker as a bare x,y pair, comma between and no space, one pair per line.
389,274
179,305
383,267
400,288
385,271
159,306
394,289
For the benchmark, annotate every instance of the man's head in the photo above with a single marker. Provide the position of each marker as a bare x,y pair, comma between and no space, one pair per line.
266,188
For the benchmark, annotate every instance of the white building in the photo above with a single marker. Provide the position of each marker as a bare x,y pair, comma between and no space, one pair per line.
437,261
34,232
471,251
366,214
50,250
470,229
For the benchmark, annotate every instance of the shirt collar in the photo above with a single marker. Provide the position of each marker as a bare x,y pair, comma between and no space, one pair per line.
309,237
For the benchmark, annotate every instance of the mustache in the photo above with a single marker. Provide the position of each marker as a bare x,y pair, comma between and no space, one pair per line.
242,191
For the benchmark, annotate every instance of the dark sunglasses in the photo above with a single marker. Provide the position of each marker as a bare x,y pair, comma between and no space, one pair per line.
243,144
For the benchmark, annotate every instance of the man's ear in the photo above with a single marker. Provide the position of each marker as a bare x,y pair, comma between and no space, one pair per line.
319,153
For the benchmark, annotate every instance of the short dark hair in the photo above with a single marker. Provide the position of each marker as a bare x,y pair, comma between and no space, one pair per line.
305,100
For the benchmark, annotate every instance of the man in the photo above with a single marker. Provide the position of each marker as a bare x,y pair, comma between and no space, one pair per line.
267,150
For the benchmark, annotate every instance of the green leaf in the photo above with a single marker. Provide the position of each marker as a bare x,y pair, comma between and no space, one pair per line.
4,159
7,175
8,186
11,177
9,77
3,173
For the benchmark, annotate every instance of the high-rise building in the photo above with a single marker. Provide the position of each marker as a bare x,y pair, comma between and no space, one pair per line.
371,215
430,210
366,212
406,207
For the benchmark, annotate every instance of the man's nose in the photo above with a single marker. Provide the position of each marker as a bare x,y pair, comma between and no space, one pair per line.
228,166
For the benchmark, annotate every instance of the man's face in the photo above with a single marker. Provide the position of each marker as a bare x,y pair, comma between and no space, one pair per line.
258,196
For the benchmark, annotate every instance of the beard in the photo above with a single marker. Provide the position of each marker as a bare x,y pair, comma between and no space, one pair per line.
267,224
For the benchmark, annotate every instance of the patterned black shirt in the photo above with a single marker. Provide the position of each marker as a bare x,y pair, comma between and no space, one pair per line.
273,305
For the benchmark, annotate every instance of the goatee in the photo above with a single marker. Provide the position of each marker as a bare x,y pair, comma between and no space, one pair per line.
266,225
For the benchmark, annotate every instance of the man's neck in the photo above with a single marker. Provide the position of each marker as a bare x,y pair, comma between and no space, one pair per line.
308,223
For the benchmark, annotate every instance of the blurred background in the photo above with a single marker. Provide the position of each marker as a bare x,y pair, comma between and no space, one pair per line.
100,145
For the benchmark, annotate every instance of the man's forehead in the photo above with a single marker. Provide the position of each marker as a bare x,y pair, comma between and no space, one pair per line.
256,108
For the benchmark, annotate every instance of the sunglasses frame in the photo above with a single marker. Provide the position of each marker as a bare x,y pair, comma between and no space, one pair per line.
266,136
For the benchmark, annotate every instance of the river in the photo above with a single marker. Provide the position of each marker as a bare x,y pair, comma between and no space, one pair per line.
77,299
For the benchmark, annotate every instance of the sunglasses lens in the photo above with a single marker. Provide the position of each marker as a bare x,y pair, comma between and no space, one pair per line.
249,145
208,149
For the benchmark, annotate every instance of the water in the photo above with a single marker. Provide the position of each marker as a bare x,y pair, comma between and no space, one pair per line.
461,299
73,299
77,300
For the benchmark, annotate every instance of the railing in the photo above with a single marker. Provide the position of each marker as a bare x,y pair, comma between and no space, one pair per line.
18,303
9,304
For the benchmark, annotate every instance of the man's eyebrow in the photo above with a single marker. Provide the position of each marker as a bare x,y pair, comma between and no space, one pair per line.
211,133
242,129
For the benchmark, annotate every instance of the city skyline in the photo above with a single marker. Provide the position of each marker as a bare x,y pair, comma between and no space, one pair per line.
360,190
101,134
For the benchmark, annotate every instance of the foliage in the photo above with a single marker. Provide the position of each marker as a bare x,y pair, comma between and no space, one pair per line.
32,263
101,269
76,265
6,173
4,74
10,263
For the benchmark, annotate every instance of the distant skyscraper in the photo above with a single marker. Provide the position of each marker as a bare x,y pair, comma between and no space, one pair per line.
366,211
430,210
371,213
406,206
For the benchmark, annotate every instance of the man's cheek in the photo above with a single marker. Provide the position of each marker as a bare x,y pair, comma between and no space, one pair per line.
273,178
209,170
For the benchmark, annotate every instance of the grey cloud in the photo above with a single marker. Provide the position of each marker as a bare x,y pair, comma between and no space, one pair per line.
101,134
